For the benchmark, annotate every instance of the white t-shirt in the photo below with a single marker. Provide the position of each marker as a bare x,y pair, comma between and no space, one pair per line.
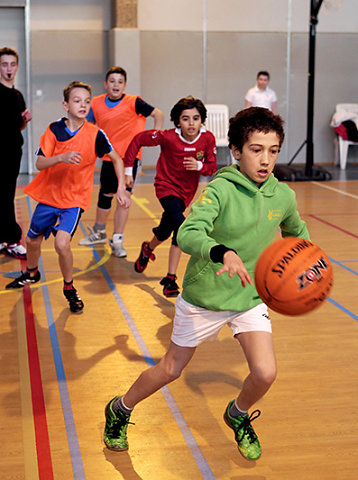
261,98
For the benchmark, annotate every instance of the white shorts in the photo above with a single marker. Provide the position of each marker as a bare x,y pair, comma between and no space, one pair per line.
193,325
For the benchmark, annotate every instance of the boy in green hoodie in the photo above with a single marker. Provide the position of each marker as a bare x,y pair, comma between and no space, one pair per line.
232,222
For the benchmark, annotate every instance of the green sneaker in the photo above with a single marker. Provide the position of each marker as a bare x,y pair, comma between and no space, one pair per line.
115,430
247,441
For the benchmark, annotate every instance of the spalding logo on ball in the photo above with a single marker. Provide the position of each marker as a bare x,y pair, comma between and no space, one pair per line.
293,276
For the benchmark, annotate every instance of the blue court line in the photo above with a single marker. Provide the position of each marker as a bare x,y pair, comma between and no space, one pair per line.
340,264
173,406
72,438
336,304
344,309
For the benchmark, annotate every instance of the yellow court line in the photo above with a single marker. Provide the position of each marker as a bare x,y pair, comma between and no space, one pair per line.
107,251
18,197
106,256
140,201
28,428
85,248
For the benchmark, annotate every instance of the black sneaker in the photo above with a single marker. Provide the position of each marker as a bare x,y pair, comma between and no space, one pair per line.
171,288
145,255
24,279
74,300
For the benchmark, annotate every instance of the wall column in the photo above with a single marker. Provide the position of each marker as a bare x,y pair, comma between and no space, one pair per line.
124,42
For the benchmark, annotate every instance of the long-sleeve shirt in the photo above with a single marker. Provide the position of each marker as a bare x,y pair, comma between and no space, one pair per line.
234,212
171,177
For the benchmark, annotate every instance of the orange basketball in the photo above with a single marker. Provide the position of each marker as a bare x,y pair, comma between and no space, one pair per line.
293,276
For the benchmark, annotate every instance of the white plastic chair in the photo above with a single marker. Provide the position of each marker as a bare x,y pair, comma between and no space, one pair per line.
217,122
344,144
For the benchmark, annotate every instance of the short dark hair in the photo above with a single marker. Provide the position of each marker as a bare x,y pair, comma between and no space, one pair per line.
187,103
75,84
264,73
253,119
9,51
119,70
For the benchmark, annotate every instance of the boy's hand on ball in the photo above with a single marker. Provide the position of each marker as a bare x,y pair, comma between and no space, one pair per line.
234,265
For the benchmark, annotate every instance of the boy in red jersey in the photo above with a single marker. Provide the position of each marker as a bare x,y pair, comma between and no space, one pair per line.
121,116
187,152
66,160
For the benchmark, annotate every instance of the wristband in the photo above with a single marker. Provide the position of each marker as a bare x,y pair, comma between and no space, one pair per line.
217,253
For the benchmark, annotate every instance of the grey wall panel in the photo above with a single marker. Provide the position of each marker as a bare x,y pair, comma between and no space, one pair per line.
171,65
12,34
336,66
171,68
68,52
57,59
70,15
12,3
297,103
234,60
336,82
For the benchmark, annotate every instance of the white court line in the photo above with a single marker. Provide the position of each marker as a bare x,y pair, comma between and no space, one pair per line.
336,190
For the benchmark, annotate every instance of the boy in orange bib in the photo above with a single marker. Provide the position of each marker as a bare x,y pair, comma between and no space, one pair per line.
121,116
66,160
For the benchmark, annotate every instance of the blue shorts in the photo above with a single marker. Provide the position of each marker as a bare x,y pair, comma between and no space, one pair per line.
46,220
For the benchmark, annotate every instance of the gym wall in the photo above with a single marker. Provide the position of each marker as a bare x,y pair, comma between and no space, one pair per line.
165,57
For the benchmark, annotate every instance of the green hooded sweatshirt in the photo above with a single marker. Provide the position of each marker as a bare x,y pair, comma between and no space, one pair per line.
233,211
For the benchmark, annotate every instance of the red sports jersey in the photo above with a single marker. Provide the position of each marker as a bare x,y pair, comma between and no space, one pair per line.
120,123
171,177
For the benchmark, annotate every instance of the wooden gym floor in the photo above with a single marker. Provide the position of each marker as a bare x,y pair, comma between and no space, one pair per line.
58,370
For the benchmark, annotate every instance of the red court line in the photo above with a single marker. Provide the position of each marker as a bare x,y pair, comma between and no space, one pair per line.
44,461
333,226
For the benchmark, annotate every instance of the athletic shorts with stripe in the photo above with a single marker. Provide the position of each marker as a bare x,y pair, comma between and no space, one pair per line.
47,219
194,325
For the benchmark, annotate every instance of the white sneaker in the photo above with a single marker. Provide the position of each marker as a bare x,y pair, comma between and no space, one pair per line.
2,247
15,250
95,237
117,248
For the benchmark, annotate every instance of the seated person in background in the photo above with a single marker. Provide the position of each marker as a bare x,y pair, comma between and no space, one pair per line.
261,95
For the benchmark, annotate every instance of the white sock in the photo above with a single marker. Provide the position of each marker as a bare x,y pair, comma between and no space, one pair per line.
235,411
117,237
120,405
